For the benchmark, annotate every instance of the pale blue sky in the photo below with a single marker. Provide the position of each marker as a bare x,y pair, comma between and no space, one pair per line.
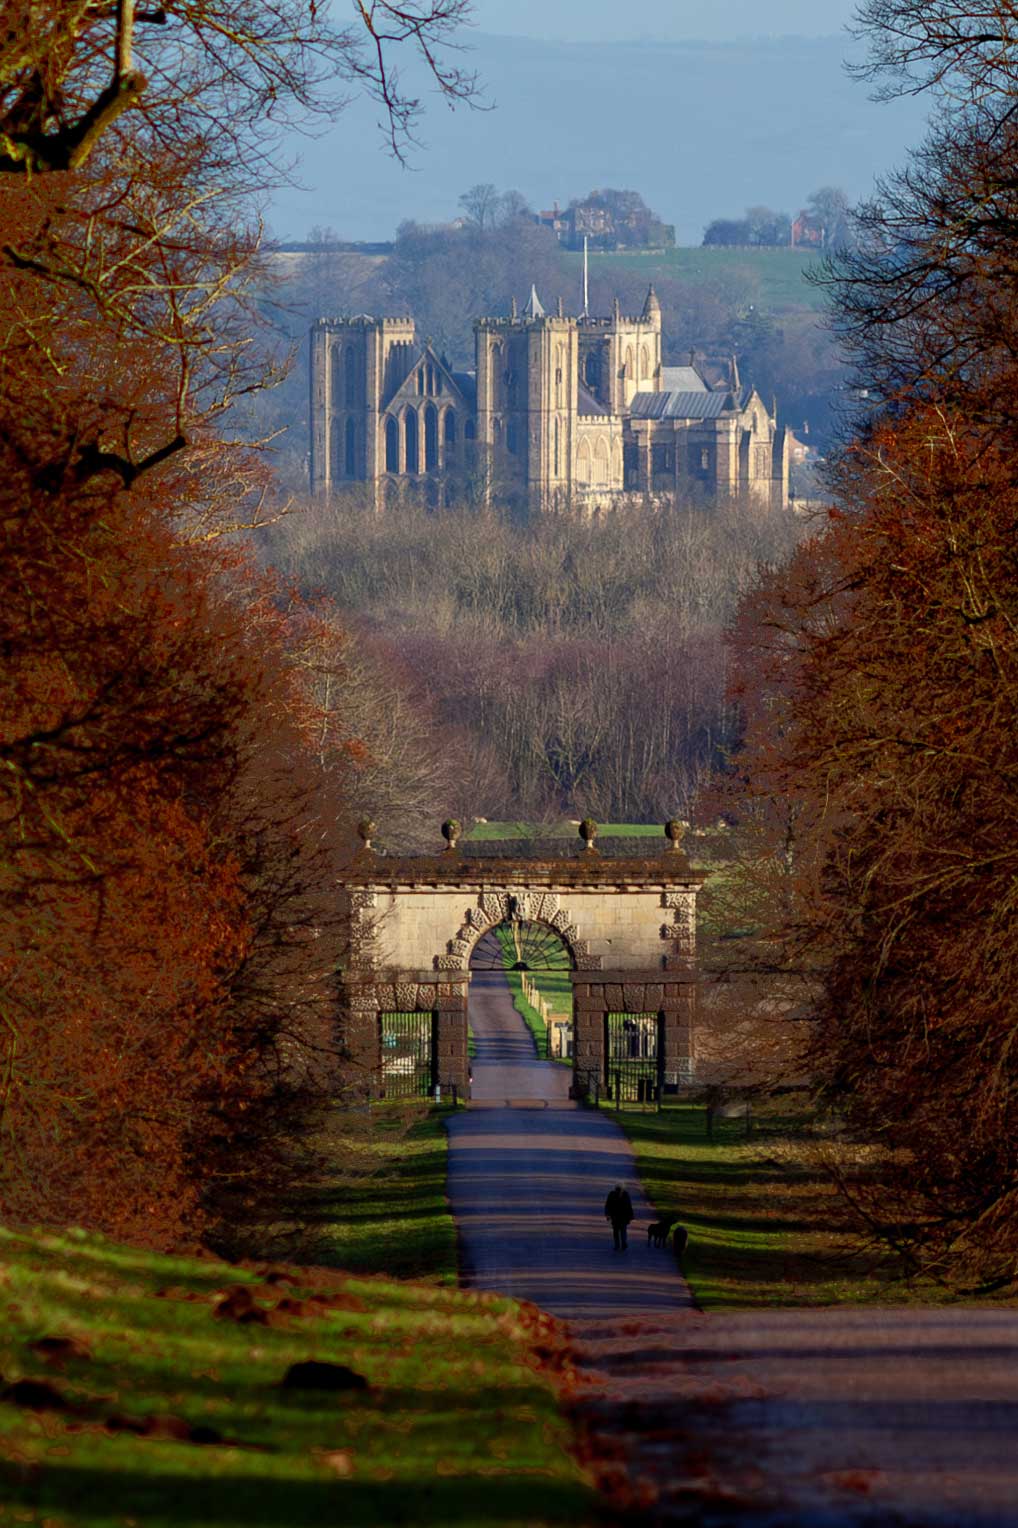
669,20
703,109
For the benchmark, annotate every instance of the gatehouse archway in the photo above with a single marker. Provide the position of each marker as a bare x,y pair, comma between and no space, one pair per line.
627,925
536,965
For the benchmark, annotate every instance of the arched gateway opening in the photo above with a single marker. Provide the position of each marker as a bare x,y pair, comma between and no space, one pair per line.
526,969
606,943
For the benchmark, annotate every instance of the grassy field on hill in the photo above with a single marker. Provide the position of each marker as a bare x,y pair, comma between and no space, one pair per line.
142,1389
777,275
526,830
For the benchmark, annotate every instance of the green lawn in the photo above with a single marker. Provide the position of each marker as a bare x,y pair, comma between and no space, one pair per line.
774,277
387,1207
564,829
766,1227
157,1412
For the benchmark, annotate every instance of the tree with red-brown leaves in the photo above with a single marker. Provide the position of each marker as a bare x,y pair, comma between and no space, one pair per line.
170,828
881,672
891,651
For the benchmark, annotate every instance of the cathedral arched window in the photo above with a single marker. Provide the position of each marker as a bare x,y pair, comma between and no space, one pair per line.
470,430
391,445
350,453
430,438
449,430
644,362
591,371
512,437
410,440
350,377
629,363
420,381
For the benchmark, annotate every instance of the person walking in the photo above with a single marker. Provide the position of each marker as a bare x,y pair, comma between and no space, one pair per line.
618,1209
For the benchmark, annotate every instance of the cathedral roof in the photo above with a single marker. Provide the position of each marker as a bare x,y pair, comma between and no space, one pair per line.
586,403
681,405
466,381
682,379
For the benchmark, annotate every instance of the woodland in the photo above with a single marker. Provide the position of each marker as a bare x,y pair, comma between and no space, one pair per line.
172,812
554,668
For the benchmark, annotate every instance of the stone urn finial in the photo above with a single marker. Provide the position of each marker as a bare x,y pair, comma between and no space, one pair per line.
588,832
451,831
673,832
366,831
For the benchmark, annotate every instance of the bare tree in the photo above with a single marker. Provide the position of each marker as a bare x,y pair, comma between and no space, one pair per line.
481,205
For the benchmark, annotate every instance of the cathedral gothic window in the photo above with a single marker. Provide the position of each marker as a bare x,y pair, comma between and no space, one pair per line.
391,445
349,377
410,440
430,438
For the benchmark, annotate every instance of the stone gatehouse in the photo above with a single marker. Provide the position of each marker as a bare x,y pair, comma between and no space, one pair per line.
628,927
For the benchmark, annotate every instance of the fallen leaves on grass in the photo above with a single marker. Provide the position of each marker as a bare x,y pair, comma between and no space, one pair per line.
57,1351
315,1374
35,1395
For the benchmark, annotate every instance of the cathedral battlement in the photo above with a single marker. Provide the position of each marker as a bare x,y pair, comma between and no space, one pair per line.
558,410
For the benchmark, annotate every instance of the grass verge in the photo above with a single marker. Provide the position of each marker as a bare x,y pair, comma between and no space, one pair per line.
766,1226
388,1210
129,1400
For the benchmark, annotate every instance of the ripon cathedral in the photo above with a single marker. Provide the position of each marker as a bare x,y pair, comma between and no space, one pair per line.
558,411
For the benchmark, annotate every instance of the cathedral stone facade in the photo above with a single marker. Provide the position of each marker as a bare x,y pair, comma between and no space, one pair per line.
558,411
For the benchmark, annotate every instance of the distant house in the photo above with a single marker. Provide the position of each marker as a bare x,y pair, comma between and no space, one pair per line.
808,232
608,220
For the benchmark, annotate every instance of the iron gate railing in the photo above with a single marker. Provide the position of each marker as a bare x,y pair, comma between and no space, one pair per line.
408,1050
633,1057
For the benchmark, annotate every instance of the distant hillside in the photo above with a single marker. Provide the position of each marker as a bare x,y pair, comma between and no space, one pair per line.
775,278
701,129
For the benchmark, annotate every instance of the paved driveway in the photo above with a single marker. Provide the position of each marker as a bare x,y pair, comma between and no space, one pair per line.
827,1418
528,1175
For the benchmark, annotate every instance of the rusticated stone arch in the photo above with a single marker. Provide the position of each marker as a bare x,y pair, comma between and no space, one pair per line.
493,907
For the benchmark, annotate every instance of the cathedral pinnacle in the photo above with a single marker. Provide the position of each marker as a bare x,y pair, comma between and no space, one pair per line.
534,308
652,307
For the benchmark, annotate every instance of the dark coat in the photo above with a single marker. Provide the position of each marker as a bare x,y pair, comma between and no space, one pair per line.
618,1207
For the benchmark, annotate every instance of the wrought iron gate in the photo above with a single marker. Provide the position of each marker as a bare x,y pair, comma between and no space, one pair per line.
633,1056
408,1045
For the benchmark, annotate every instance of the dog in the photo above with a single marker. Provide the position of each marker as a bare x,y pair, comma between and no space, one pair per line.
659,1231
